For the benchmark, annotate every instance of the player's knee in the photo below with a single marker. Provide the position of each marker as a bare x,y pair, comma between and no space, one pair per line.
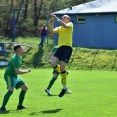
53,64
24,87
62,69
11,89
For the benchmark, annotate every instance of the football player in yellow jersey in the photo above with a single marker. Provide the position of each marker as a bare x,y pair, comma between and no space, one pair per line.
64,50
55,74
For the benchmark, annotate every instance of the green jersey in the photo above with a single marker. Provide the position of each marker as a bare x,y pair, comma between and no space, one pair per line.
15,62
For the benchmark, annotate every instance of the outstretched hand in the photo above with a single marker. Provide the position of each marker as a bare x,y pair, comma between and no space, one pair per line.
51,20
53,16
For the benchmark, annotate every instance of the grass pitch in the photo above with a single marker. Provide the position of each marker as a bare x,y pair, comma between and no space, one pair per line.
94,95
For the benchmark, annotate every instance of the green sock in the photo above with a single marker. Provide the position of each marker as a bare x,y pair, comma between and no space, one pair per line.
6,98
21,97
51,83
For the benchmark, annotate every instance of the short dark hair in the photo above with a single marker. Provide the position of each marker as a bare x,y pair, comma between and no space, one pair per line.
16,47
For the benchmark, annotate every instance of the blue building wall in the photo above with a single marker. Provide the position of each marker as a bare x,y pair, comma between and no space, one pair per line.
86,33
98,31
107,32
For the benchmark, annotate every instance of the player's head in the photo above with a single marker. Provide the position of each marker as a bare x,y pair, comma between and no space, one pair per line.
18,49
65,18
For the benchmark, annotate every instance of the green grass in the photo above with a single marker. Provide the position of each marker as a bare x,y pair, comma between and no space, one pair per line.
94,95
81,59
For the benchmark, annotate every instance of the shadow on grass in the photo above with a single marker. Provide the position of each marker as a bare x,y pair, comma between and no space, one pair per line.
9,111
41,56
38,58
46,112
54,95
51,111
51,95
4,112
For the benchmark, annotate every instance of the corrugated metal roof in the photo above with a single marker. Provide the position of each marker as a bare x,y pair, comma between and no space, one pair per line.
97,6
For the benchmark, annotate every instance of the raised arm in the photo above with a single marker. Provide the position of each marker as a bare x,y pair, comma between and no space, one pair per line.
51,28
66,25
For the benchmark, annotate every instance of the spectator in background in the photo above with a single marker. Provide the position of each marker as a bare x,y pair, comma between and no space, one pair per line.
43,34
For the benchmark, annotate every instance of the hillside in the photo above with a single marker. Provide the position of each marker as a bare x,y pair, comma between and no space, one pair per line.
82,58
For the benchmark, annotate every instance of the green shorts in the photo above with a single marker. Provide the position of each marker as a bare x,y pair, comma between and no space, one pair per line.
14,81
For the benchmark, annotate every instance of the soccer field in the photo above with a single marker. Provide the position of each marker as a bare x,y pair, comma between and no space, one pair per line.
94,95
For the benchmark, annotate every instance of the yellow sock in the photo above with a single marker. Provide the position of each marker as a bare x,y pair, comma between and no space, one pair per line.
58,69
64,76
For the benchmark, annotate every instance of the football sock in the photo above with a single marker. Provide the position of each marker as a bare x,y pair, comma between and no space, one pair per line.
57,68
6,98
21,97
51,83
63,79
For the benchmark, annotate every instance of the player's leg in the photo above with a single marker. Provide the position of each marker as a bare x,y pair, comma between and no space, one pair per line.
63,78
55,76
10,81
67,51
55,59
54,64
24,88
63,73
67,91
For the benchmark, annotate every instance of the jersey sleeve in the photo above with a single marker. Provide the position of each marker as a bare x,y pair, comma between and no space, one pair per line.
70,25
56,30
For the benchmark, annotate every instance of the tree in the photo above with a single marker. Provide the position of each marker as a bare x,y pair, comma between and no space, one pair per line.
19,11
77,2
9,18
26,9
37,11
84,1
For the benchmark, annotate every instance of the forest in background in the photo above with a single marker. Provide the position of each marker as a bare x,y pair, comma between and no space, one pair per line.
30,15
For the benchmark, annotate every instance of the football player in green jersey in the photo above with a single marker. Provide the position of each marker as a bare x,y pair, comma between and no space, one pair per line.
13,80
